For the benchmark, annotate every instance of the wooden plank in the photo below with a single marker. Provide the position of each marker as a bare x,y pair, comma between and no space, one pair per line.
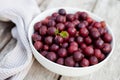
82,4
37,71
109,10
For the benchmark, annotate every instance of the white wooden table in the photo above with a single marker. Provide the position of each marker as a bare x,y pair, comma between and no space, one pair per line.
109,10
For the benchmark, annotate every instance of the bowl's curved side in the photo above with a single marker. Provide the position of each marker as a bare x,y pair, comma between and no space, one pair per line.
59,69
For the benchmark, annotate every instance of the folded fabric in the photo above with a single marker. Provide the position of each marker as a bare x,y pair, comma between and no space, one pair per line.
17,62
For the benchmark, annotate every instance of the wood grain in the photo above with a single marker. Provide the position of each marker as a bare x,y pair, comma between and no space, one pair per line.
38,72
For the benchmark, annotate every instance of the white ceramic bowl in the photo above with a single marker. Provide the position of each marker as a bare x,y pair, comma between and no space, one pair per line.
59,69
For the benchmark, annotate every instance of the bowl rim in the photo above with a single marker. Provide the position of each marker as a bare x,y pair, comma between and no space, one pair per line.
75,9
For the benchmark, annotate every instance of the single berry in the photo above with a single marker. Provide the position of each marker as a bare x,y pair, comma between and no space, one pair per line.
60,61
107,37
36,37
102,57
58,39
71,31
46,47
72,49
93,60
43,30
51,30
83,46
55,14
83,15
89,27
60,26
69,61
89,20
70,17
38,45
102,30
97,24
54,47
94,33
80,40
70,25
65,45
88,40
97,53
71,39
76,22
51,56
106,48
48,40
103,24
74,44
81,25
37,26
78,56
85,22
85,62
62,52
89,51
51,23
84,32
76,15
61,19
99,43
62,12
